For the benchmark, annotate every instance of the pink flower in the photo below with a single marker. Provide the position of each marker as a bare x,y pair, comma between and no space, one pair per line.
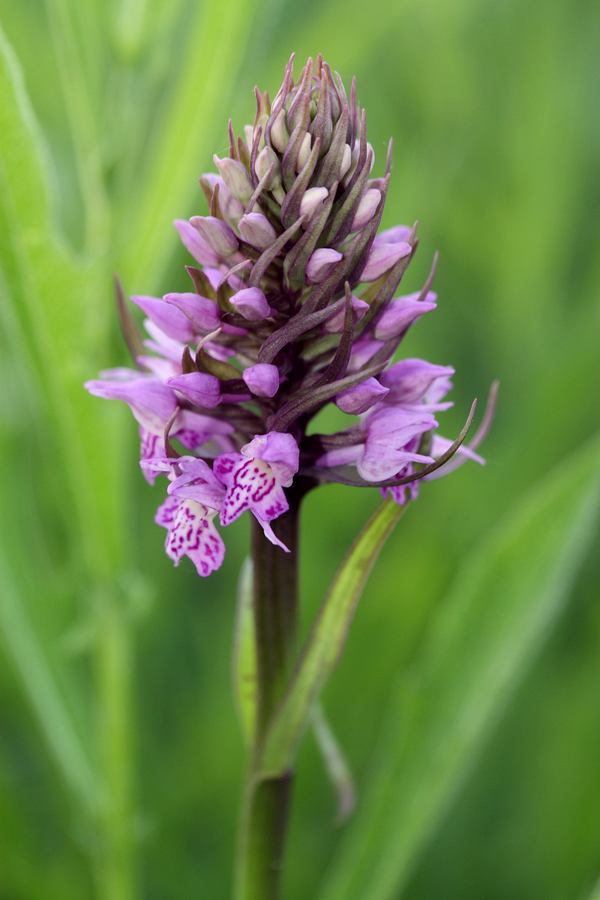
191,532
255,479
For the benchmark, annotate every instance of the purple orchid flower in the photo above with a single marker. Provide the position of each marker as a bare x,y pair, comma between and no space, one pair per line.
255,478
293,306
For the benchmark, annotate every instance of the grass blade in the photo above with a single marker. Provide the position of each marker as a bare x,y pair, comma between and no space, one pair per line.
214,51
45,698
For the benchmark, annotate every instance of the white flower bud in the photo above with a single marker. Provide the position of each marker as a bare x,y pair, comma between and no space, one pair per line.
366,208
346,160
303,153
235,177
371,154
257,230
313,198
267,159
279,132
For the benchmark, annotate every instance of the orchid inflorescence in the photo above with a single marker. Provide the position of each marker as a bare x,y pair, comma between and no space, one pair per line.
292,308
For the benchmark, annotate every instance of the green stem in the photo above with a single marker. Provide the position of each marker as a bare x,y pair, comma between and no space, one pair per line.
266,801
275,597
264,822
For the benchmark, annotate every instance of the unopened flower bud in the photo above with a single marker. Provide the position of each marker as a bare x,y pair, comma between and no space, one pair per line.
354,154
304,152
313,198
393,235
249,135
409,379
382,257
361,397
362,351
170,320
346,161
256,230
369,202
401,313
231,208
266,161
202,312
251,303
322,263
370,155
217,234
197,387
262,379
196,245
279,132
236,178
336,323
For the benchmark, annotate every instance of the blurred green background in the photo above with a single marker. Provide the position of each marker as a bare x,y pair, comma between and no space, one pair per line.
120,756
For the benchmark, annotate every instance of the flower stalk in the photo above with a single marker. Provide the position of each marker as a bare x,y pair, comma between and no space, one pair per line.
262,839
275,608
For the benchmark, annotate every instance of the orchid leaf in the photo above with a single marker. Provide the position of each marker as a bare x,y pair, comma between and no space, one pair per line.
326,640
246,692
506,597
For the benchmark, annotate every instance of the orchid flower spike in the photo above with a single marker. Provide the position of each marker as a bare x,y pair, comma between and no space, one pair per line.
293,305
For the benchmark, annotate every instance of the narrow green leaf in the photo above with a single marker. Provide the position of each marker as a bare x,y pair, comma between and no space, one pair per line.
59,318
326,641
505,599
595,894
57,304
215,48
45,698
83,119
245,684
335,765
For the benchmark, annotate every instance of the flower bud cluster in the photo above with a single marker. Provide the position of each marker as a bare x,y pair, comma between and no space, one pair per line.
292,308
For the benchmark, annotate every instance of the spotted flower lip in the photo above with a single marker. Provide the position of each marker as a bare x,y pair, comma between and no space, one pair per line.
191,532
294,305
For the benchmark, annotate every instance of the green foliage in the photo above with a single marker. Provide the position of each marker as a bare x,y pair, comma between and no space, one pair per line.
506,596
111,663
